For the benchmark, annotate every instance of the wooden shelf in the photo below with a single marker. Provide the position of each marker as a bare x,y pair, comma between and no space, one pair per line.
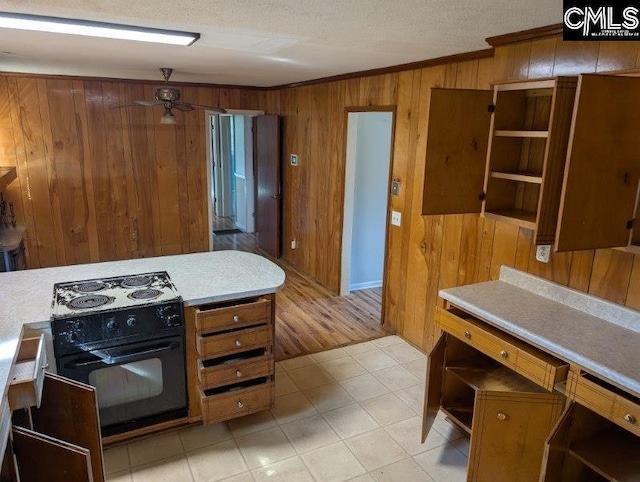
494,379
524,219
528,134
523,176
612,454
7,175
460,416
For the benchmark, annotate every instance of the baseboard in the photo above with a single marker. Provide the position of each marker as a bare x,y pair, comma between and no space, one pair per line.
364,286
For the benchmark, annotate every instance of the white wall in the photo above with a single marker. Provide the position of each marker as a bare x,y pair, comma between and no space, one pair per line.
366,189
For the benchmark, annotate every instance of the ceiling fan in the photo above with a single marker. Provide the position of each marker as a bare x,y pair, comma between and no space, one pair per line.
169,98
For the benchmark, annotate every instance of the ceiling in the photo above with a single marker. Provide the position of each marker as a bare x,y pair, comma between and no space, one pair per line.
264,42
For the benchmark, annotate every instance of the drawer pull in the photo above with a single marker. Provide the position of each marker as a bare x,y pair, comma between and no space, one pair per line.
238,373
238,343
240,404
467,335
630,418
504,354
502,416
236,318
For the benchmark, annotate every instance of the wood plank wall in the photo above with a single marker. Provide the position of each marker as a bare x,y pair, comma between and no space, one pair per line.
432,252
99,184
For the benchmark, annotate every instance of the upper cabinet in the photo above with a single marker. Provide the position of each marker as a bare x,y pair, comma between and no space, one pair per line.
600,189
558,156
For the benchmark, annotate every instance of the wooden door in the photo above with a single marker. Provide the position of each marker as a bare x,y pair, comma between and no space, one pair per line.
603,165
69,412
509,433
433,390
457,139
268,180
42,458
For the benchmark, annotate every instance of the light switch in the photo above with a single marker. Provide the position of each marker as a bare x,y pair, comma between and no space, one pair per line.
396,218
294,159
395,187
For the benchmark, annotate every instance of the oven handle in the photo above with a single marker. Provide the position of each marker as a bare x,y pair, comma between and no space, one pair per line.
112,360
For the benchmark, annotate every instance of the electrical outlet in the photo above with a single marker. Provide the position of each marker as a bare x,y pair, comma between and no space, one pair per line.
396,218
543,251
294,159
294,243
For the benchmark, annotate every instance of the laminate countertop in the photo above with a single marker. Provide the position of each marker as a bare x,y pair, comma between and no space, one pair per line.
601,337
200,278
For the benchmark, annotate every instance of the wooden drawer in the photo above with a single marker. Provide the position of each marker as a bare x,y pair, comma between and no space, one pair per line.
234,371
27,375
218,319
236,341
237,403
608,402
530,362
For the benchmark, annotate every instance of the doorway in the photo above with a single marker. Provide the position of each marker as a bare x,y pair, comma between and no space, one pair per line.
366,199
232,189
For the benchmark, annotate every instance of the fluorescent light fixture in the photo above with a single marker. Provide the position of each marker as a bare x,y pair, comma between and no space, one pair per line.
95,29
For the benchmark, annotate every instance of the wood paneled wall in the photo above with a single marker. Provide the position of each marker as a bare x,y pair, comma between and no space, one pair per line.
97,183
432,252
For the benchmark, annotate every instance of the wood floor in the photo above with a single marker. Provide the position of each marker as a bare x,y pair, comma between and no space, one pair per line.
309,317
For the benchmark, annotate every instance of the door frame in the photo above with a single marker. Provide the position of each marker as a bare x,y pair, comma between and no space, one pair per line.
344,290
208,114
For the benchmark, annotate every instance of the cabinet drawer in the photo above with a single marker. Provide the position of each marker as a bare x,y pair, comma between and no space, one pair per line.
236,403
530,362
27,375
242,369
234,341
246,314
605,401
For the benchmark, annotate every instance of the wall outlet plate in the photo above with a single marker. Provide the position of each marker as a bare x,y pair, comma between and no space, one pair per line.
396,218
543,252
294,159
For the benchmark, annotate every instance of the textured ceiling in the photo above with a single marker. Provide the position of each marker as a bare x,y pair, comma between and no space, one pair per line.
265,42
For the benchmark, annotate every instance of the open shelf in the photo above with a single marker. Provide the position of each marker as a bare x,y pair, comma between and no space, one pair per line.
521,176
614,454
494,379
460,416
522,133
519,217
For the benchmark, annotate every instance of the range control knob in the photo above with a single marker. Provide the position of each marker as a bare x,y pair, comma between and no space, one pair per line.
72,337
131,321
78,324
112,324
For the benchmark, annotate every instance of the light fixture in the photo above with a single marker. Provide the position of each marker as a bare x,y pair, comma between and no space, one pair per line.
168,117
95,29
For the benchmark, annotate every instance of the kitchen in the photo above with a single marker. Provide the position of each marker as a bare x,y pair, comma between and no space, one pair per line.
74,217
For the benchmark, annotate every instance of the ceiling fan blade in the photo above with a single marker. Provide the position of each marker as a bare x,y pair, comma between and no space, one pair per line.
208,107
182,107
137,103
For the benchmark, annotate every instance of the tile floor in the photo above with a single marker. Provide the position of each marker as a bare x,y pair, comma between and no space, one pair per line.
352,413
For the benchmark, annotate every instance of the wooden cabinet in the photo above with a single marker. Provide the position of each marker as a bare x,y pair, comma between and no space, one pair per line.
27,375
230,363
60,440
508,416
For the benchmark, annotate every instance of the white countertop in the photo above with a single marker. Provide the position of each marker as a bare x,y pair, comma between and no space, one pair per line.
200,278
599,336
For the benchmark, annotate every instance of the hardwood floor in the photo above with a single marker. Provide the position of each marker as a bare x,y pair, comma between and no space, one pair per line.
309,317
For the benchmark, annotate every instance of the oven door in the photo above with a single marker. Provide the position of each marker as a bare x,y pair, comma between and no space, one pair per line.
136,384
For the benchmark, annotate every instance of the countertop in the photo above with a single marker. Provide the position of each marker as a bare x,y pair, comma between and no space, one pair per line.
599,336
200,278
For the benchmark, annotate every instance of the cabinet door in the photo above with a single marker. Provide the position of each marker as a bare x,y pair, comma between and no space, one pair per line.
41,458
457,138
433,390
603,164
508,434
69,412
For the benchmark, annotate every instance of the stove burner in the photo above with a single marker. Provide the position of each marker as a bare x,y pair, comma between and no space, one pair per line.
88,301
146,294
90,287
136,282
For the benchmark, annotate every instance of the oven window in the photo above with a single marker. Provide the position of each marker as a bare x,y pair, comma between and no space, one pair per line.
132,382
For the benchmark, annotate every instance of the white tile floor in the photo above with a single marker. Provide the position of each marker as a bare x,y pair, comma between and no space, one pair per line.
353,413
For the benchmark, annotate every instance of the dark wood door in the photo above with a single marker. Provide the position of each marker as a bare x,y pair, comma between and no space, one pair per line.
69,412
42,458
268,184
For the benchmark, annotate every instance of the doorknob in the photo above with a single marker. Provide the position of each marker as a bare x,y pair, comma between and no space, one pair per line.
275,196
